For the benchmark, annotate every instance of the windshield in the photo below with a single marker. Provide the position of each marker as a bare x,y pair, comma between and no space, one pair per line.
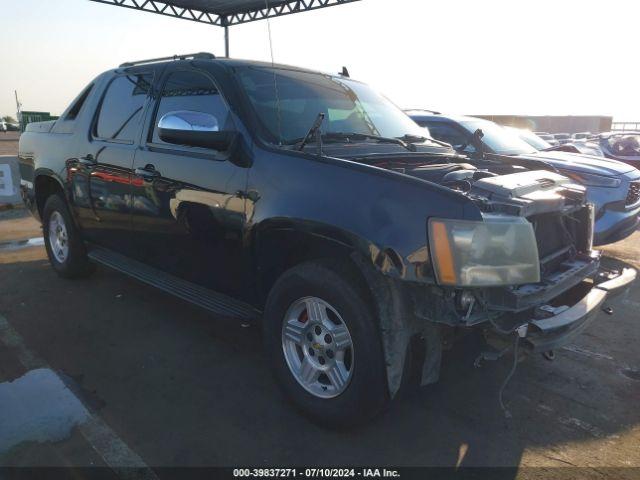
287,102
499,139
531,138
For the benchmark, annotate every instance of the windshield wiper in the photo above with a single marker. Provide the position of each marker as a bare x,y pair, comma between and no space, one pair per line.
408,137
366,136
404,141
313,132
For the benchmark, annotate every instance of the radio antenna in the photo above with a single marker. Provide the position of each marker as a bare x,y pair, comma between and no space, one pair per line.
275,77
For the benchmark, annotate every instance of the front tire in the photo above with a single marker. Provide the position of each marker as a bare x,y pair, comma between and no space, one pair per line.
322,340
65,248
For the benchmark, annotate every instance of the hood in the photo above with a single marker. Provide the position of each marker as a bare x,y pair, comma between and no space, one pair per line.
581,163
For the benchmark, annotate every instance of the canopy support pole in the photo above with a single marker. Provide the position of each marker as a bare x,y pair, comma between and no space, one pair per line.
226,41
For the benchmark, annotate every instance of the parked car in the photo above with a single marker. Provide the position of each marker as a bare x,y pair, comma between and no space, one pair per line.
535,140
581,135
621,146
3,126
613,187
318,208
562,138
547,137
13,127
577,146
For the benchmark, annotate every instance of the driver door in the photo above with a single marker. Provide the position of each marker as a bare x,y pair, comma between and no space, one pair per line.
188,214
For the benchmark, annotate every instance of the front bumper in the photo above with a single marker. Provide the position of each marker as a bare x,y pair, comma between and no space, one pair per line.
614,226
544,334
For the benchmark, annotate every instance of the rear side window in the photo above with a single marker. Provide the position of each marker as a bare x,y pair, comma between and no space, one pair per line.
193,91
77,105
122,105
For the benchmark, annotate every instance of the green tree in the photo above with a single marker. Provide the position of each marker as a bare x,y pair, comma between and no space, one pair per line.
9,119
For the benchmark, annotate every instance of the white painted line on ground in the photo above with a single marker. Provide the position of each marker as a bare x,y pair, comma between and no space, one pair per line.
112,449
582,425
620,367
571,422
10,338
587,353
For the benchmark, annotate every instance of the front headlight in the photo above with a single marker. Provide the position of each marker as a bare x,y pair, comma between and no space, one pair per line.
591,180
497,251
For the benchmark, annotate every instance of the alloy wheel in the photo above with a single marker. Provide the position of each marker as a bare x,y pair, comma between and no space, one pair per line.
58,237
318,348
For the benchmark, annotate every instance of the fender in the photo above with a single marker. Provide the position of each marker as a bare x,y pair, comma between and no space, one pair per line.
281,245
39,175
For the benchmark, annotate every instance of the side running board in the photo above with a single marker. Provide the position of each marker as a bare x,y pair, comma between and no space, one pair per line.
209,300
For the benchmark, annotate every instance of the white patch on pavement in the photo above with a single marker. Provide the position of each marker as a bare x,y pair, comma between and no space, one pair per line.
37,407
20,244
41,388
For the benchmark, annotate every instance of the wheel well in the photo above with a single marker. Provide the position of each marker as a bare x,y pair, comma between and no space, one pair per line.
45,187
284,250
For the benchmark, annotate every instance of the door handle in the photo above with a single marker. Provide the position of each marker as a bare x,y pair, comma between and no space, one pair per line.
148,172
87,161
251,195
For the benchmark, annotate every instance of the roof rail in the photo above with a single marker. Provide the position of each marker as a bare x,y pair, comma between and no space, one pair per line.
195,56
422,110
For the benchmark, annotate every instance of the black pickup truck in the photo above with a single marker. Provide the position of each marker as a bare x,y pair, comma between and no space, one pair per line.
309,202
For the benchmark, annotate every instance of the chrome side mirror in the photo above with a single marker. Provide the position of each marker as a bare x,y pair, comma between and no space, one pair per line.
194,129
189,120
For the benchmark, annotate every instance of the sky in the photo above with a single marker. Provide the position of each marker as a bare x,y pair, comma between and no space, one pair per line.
531,57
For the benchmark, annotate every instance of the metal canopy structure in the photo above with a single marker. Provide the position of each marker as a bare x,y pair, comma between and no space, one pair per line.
224,13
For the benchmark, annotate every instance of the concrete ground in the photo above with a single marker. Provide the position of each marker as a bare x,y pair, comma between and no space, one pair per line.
166,384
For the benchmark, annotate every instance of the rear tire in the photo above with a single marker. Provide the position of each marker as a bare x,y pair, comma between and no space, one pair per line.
65,248
323,343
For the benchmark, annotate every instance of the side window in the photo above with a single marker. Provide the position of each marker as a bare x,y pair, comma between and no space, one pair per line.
191,91
447,133
77,106
122,106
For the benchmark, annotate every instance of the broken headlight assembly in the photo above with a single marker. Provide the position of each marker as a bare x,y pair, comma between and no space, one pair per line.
495,252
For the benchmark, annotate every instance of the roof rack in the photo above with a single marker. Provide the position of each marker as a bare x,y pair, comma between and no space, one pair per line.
194,56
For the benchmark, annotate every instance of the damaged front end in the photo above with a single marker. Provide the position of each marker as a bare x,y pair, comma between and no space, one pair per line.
572,285
525,273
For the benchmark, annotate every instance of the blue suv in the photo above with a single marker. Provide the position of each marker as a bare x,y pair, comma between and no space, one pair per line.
613,187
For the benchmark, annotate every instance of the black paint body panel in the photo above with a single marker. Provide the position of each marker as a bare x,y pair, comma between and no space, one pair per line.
222,220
